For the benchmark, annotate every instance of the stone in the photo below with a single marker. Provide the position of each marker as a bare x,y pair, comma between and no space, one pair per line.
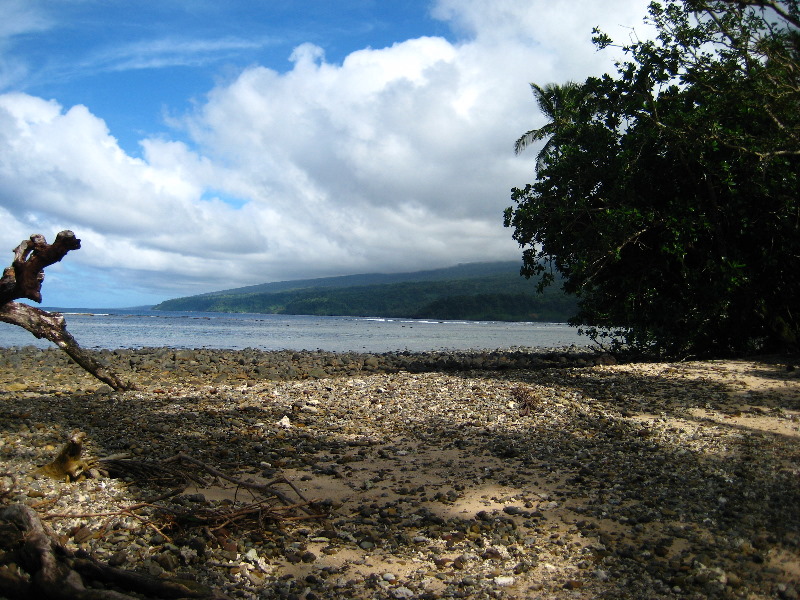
118,558
601,575
628,479
168,561
317,373
251,555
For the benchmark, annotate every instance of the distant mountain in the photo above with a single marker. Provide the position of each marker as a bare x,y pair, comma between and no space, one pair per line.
475,291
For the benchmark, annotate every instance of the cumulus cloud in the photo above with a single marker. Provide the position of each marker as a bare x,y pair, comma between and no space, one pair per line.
398,158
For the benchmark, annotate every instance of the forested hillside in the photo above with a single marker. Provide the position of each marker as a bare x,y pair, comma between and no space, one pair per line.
482,291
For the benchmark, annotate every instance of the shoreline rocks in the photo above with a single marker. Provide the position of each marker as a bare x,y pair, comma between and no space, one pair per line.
160,364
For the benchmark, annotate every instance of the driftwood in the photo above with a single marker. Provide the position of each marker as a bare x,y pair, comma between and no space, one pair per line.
23,279
52,572
267,489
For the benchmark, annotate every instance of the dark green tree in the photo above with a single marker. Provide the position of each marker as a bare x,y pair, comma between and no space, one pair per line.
671,206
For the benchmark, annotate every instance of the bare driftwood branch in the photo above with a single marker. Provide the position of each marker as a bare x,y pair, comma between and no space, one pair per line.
23,279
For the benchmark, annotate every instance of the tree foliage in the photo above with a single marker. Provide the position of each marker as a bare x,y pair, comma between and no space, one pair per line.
557,103
671,205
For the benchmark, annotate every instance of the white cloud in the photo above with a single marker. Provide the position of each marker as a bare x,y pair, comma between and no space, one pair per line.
398,158
168,52
63,170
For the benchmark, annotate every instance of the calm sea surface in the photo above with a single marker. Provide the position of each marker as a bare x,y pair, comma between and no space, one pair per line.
125,328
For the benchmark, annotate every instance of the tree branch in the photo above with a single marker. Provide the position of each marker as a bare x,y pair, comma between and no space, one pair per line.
784,14
51,326
23,279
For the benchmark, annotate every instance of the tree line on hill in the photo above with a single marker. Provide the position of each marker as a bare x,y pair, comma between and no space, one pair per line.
500,297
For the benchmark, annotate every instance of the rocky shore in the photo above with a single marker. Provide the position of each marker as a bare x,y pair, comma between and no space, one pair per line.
513,474
156,365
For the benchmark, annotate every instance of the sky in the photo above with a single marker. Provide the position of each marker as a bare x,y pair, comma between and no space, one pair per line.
199,145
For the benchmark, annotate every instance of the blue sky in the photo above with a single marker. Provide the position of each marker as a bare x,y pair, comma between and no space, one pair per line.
133,62
199,145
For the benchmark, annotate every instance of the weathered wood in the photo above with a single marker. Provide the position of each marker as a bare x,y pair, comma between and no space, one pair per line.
55,573
52,326
23,279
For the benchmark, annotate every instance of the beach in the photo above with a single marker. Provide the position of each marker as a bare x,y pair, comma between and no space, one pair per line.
515,474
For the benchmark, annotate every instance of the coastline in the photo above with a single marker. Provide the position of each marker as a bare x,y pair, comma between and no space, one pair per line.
234,331
512,474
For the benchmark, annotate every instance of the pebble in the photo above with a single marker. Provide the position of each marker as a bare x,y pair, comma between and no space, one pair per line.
606,485
221,366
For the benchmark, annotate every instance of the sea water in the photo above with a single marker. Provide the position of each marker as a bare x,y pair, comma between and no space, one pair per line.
126,328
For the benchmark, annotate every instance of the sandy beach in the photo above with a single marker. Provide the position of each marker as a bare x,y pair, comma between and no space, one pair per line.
514,475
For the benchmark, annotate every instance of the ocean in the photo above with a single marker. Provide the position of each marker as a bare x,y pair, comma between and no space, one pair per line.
126,328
